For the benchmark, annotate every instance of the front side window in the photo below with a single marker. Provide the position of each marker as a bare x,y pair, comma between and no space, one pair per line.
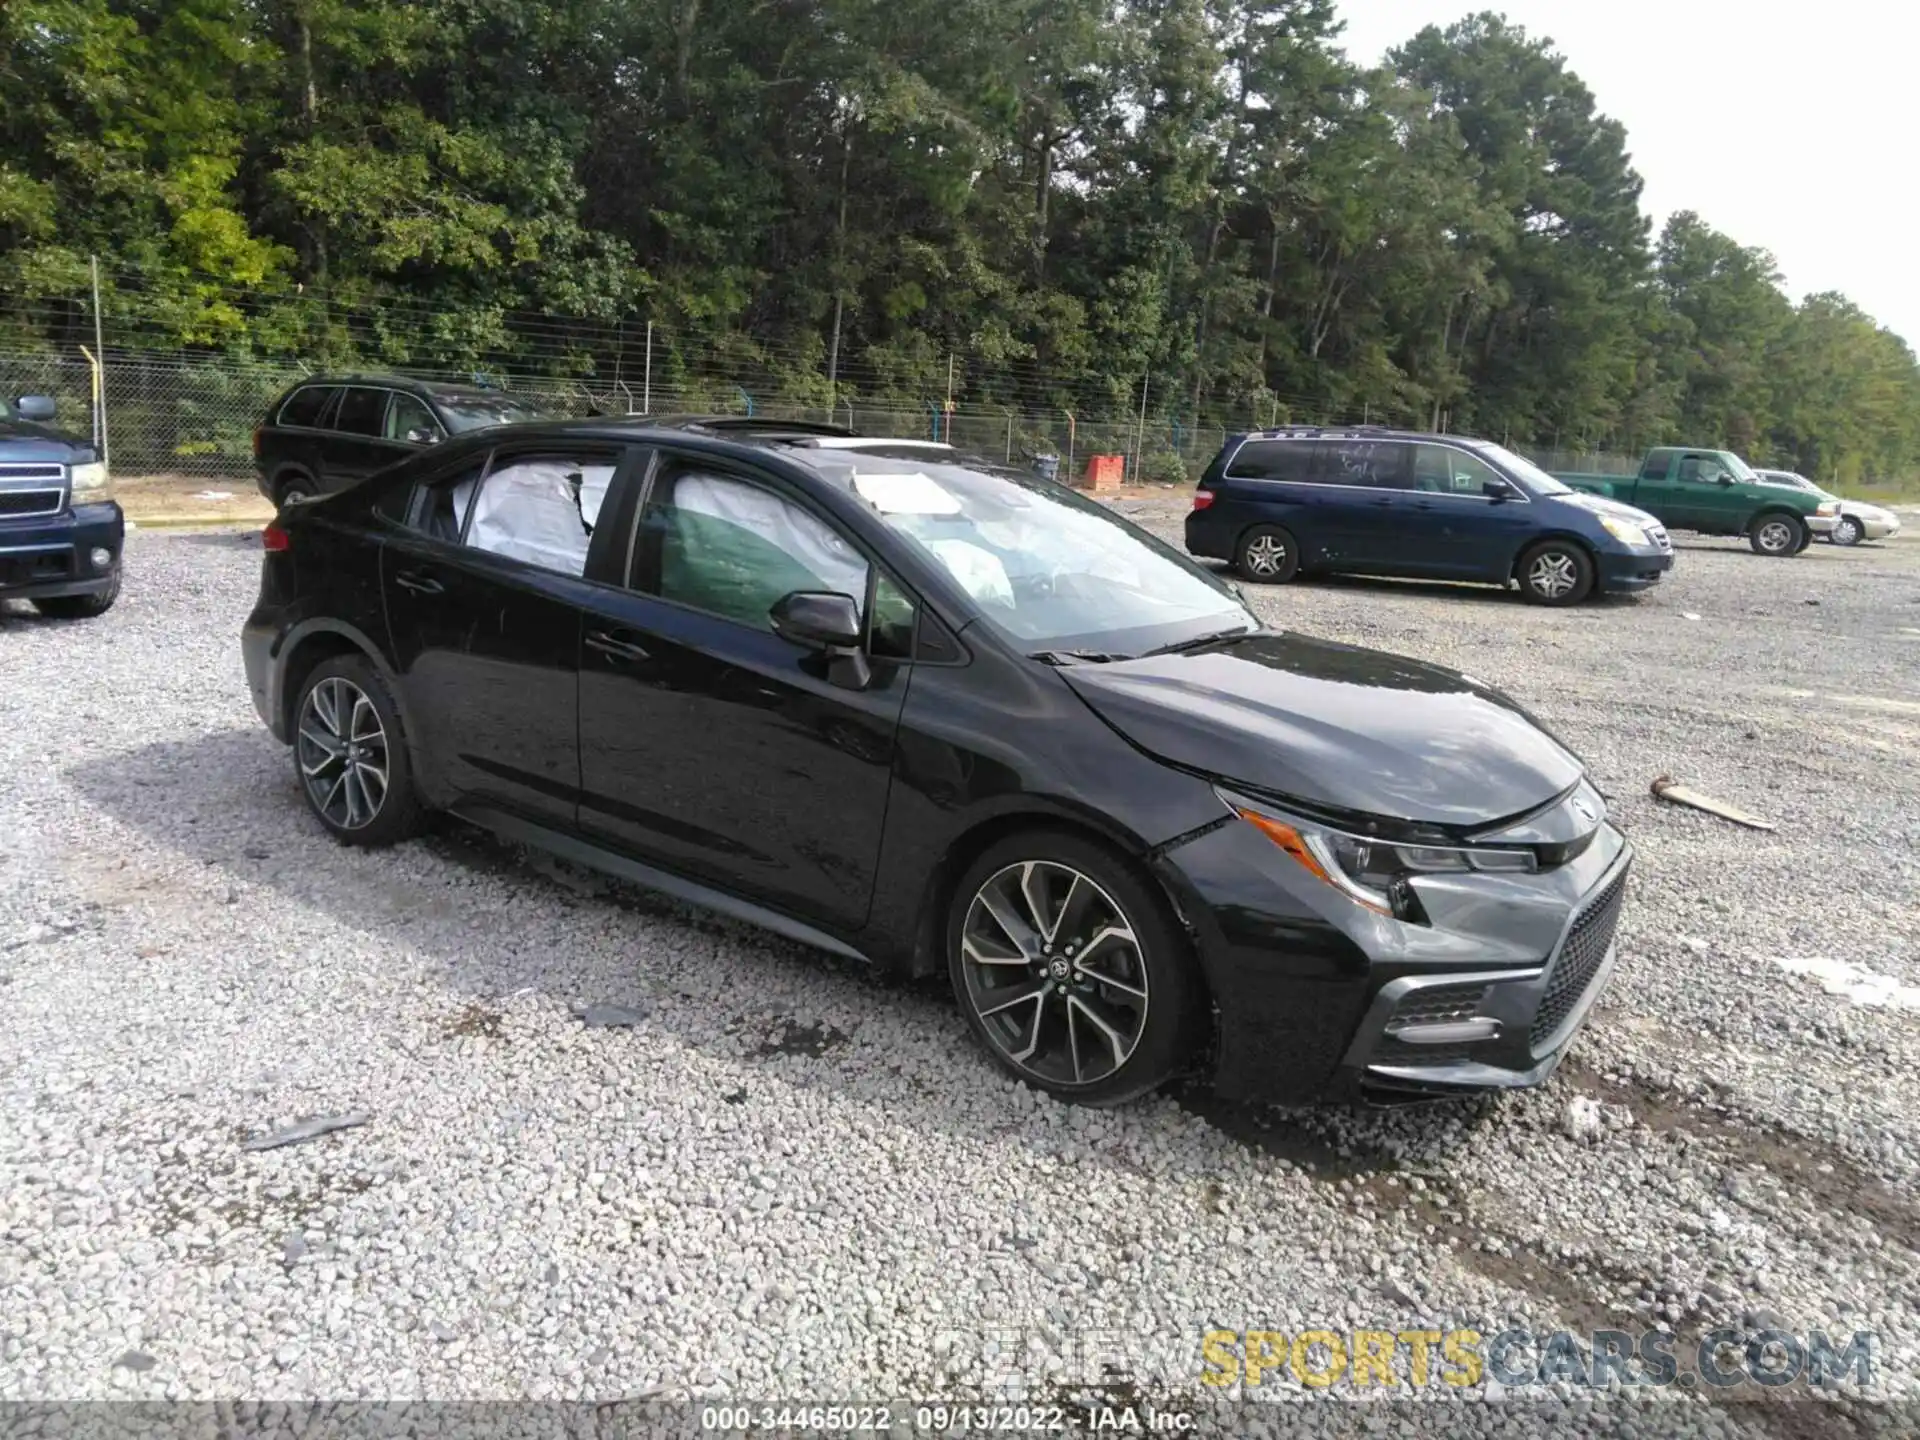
362,411
537,508
409,420
733,547
1445,470
1050,569
307,405
1703,469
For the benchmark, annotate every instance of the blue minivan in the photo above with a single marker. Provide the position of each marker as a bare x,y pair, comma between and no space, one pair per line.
1368,501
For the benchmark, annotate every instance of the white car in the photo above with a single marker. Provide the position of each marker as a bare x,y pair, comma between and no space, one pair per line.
1857,520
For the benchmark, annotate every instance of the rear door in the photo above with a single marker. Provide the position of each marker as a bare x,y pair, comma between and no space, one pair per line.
1360,492
711,746
1462,532
357,445
484,590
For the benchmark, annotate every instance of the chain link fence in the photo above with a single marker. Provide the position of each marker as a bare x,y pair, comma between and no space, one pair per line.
177,414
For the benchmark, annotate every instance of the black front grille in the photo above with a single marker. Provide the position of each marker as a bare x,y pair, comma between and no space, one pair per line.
29,502
1586,945
32,471
1398,1052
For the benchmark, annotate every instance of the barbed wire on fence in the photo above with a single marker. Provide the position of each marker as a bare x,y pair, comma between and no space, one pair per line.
192,409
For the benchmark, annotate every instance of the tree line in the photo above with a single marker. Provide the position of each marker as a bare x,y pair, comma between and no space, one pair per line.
1207,197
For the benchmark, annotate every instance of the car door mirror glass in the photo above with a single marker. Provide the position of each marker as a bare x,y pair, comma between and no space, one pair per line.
817,619
35,407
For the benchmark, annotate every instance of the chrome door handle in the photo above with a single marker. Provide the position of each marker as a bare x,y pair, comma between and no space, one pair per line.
614,646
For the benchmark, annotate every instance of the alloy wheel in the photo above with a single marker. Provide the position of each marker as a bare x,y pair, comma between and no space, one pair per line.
343,753
1553,575
1054,973
1847,531
1776,537
1266,554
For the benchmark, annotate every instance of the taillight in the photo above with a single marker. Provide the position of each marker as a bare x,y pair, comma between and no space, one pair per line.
274,538
1202,499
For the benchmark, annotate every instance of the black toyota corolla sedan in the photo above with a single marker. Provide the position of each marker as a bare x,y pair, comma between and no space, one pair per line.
930,713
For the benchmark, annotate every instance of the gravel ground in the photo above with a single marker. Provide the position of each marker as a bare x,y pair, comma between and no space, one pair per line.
788,1181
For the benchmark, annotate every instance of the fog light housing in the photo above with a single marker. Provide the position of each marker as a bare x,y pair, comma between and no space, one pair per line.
102,558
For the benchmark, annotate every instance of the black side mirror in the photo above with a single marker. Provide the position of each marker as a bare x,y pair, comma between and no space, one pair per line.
35,407
1496,489
1725,479
829,623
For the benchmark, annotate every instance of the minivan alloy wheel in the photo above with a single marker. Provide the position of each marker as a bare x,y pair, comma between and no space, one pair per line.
1552,574
342,749
1266,554
1054,972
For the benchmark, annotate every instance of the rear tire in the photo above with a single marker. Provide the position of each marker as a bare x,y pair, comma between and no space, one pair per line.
1777,534
1556,572
1848,531
1267,555
350,755
80,607
1070,970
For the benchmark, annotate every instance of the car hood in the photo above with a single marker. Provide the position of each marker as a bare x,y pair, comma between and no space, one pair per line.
1335,727
1601,505
1876,513
22,440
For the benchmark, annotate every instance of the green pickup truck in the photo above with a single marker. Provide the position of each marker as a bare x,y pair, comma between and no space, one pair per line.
1715,492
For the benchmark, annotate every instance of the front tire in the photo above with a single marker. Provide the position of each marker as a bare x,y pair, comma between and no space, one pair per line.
1848,531
1070,970
1777,535
80,607
350,755
1267,555
1556,572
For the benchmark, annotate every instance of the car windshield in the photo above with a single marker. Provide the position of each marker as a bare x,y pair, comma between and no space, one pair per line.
478,410
1537,481
1741,470
1049,568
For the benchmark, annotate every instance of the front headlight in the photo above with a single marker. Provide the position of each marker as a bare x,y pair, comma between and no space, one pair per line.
1827,510
89,481
1375,873
1625,531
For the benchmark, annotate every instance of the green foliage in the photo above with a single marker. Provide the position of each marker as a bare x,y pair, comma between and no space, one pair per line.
1075,198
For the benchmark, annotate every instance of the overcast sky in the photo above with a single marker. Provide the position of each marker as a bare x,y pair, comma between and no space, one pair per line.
1791,126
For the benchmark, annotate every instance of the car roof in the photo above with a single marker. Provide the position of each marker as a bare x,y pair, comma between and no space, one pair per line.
1357,432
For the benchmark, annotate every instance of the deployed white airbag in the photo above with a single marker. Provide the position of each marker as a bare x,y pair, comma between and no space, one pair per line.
530,511
789,528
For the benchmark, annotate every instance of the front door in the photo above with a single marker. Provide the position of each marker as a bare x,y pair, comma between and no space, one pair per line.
710,745
1464,533
484,591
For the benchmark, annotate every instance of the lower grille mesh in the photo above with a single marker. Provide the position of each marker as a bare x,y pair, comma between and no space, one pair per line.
1586,945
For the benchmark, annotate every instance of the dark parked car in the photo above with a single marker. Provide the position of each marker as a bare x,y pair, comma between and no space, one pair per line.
326,433
938,715
1281,503
60,531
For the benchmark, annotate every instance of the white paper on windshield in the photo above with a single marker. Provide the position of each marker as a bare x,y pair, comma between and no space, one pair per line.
906,493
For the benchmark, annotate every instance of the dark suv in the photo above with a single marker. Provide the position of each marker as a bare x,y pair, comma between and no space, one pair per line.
1366,501
326,433
60,532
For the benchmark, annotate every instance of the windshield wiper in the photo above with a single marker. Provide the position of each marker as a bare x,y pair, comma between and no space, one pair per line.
1197,641
1076,657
